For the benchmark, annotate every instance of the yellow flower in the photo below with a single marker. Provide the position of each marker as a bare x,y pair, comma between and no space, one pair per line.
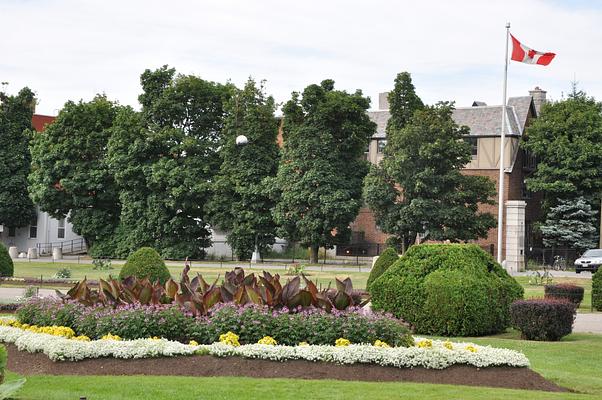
303,344
270,341
229,338
108,336
154,338
81,338
193,343
425,344
448,345
341,342
380,343
470,348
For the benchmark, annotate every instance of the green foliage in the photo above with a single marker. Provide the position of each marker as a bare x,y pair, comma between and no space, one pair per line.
597,290
543,319
241,204
16,208
63,273
145,263
570,224
384,261
567,141
3,360
164,159
7,389
70,174
6,263
418,187
447,289
325,133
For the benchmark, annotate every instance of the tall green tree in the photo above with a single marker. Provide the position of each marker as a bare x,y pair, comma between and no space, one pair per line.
567,141
418,188
164,159
403,102
16,208
70,175
321,170
241,203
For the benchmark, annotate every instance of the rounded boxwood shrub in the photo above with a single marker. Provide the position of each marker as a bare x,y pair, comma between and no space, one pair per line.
543,319
447,289
145,262
384,261
565,291
6,263
597,290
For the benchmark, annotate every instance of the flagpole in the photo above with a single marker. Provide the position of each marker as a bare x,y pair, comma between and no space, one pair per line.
500,211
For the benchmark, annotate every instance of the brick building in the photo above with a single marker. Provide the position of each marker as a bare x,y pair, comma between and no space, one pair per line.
521,206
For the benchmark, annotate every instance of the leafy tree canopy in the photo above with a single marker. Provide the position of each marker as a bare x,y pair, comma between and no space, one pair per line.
69,173
325,133
164,160
418,186
567,141
16,208
241,203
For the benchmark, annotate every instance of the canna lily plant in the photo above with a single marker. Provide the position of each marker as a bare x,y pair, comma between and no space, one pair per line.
198,296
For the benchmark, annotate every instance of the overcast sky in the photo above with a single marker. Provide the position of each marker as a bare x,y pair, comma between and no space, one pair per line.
70,50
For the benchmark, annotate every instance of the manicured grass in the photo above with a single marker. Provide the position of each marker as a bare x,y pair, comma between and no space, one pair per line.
78,271
186,388
572,363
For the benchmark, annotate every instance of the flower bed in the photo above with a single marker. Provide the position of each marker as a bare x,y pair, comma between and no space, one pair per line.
250,322
430,354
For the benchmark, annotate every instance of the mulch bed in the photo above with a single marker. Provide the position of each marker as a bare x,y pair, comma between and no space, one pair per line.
506,377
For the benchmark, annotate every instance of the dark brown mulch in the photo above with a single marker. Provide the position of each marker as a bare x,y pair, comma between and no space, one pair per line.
506,377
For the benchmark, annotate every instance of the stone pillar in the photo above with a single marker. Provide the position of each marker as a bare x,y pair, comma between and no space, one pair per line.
13,252
57,253
32,253
515,235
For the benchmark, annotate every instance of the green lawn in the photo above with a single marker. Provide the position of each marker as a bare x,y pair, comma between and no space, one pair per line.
47,270
573,363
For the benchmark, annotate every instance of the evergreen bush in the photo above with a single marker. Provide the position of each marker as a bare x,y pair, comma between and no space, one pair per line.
597,290
384,261
447,289
145,262
6,263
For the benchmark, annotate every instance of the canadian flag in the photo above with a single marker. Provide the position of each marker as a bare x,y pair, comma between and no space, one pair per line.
524,54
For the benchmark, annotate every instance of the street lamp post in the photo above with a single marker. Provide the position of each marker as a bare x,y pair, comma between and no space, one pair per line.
242,140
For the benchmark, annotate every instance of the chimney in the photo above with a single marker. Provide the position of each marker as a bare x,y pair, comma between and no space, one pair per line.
539,97
383,101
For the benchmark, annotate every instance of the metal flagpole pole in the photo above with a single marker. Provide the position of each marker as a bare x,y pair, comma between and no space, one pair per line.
500,212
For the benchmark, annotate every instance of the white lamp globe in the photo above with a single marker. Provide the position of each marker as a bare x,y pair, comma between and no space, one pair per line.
241,140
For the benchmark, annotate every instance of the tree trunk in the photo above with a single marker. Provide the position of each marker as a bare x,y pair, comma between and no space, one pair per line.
313,254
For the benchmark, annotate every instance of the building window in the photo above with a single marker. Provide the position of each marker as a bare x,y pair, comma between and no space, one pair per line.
61,230
474,146
11,231
380,145
33,228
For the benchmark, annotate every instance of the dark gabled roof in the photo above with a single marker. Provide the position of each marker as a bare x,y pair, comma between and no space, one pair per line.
486,120
483,120
522,105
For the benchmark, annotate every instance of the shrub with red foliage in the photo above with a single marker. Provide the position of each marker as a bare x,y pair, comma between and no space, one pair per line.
543,319
565,291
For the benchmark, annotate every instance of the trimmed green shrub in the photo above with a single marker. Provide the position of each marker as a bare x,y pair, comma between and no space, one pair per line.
448,290
145,262
543,319
384,261
565,291
6,263
597,290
